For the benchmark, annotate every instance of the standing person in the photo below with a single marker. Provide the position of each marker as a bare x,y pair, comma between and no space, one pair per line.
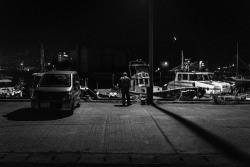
124,85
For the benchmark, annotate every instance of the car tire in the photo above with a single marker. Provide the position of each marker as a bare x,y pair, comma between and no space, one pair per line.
35,112
78,104
71,111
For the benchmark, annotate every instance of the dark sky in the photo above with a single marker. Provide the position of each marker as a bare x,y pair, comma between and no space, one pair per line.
205,30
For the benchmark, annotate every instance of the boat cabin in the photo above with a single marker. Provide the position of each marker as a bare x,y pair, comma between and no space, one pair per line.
139,72
191,76
198,79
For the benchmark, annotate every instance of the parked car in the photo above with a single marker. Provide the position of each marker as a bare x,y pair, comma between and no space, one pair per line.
57,90
36,79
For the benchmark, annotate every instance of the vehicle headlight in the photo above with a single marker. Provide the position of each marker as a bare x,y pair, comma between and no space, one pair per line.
67,96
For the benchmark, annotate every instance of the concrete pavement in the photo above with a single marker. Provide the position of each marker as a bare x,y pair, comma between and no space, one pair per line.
109,134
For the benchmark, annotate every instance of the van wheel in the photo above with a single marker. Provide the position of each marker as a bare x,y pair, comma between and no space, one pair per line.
78,104
35,112
71,111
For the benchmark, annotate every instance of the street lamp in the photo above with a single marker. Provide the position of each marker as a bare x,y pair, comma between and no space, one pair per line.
22,64
159,70
165,64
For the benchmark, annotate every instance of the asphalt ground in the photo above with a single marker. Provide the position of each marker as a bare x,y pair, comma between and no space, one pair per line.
105,133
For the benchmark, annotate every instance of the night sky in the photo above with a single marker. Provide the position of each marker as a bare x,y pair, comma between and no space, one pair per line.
205,30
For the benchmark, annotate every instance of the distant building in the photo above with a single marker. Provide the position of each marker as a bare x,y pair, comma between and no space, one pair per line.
62,56
102,67
19,61
100,60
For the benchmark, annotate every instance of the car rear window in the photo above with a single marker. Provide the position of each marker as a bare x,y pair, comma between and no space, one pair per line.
55,80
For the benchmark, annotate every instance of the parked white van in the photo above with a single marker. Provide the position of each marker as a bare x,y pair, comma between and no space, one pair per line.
57,90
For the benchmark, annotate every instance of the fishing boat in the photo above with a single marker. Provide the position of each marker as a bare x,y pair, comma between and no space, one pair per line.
242,83
191,83
199,80
139,72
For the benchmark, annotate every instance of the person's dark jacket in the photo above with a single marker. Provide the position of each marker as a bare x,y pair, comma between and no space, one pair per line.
124,83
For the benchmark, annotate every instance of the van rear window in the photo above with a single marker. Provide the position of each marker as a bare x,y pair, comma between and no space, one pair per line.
55,80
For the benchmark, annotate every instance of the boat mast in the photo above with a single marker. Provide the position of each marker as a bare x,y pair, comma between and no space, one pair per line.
182,60
42,58
237,60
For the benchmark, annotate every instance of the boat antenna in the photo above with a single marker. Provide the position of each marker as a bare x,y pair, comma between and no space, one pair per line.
182,60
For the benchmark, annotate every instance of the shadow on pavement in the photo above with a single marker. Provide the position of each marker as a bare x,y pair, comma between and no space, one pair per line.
225,146
26,114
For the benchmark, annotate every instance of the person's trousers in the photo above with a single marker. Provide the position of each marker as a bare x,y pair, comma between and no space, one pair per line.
125,93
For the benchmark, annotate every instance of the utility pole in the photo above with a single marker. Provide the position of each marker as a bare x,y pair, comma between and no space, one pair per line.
150,90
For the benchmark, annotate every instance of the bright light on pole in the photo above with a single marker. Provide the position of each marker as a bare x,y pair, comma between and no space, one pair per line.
165,64
159,70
